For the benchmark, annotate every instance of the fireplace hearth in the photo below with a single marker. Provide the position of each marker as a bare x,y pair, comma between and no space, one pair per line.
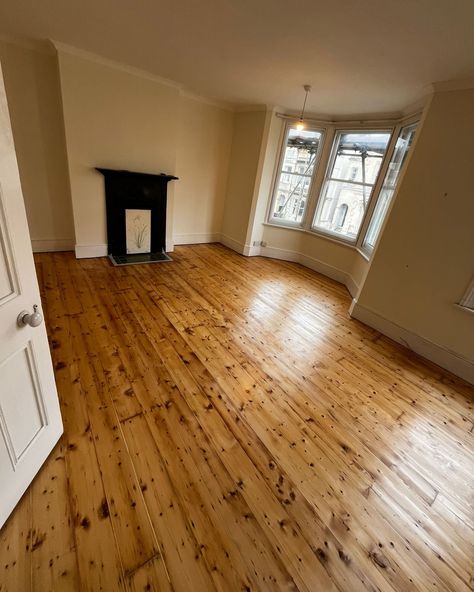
136,216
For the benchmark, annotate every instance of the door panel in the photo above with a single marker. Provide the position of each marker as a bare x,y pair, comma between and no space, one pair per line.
20,384
30,420
7,284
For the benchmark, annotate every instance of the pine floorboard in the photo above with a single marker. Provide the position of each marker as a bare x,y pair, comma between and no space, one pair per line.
228,428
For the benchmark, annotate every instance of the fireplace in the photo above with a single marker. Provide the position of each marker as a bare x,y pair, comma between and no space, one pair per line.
136,216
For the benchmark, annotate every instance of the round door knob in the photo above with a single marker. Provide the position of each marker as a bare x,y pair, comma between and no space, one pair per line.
32,319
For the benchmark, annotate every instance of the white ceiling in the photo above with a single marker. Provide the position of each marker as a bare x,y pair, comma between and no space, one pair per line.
360,56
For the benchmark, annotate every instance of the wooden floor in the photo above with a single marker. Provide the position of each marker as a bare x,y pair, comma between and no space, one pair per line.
228,427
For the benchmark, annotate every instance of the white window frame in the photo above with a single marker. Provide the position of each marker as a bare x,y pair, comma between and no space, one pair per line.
271,219
326,150
363,246
467,301
375,187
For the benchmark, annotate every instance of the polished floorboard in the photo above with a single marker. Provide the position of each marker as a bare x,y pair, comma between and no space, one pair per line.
228,427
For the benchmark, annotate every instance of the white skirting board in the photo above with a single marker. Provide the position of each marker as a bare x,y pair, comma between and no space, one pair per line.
196,239
90,251
334,273
427,349
50,245
285,255
87,251
243,249
232,244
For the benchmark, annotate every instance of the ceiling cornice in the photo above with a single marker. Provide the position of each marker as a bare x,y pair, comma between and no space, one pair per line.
52,47
93,57
417,106
64,48
249,108
213,102
455,84
39,45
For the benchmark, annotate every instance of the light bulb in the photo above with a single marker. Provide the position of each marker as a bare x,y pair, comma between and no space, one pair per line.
300,125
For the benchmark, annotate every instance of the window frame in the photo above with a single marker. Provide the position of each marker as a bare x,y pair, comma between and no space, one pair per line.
329,130
467,301
354,242
362,245
270,217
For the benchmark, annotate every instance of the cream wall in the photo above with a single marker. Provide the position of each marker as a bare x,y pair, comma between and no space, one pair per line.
334,255
34,99
336,259
359,269
202,161
268,159
244,160
113,119
284,239
323,255
424,260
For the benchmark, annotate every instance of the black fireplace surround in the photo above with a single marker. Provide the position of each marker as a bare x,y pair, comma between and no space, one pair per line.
127,189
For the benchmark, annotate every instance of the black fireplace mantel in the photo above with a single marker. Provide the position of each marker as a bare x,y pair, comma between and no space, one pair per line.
128,189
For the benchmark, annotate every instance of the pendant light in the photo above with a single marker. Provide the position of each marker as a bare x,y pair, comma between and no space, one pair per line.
300,125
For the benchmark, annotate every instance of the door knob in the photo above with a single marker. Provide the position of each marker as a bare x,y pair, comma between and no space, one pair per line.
32,319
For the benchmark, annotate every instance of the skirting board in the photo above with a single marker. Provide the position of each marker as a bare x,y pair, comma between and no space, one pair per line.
87,251
243,249
251,251
50,245
285,255
315,264
232,244
196,239
427,349
90,251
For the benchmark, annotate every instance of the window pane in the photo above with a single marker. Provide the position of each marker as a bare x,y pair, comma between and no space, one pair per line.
294,181
343,207
402,148
359,156
349,183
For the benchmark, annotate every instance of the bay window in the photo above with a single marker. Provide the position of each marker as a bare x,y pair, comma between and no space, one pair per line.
347,200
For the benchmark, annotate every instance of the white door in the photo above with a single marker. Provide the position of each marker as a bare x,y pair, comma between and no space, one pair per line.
30,420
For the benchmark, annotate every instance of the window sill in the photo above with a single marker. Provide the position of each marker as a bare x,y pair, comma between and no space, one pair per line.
363,254
334,238
284,226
